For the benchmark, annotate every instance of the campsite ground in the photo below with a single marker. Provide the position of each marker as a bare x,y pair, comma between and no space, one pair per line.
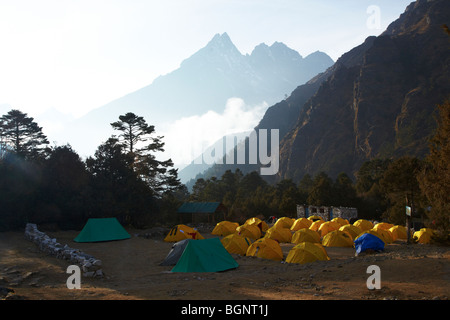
132,272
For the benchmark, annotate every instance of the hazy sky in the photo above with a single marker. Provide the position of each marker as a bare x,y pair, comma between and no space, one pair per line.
77,55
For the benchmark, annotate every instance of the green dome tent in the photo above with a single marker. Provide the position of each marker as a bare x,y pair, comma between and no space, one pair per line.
102,229
207,255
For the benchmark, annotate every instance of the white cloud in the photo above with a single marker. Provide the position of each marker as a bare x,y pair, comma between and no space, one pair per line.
188,137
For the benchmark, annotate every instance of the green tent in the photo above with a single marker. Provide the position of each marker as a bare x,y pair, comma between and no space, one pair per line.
102,229
206,255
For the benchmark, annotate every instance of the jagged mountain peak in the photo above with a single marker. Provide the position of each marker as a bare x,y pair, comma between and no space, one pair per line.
223,38
278,50
219,48
222,42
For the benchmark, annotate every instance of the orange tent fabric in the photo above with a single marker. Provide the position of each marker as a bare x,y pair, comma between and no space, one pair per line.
262,225
354,231
235,243
280,234
225,228
337,238
341,221
249,231
181,232
423,235
363,224
284,222
327,227
265,248
307,252
315,225
300,224
305,235
398,232
383,225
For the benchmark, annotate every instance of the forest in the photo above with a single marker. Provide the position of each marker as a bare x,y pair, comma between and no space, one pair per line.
53,186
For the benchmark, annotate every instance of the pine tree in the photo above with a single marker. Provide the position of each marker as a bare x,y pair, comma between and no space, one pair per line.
345,193
321,193
135,130
136,137
400,182
20,134
435,178
117,190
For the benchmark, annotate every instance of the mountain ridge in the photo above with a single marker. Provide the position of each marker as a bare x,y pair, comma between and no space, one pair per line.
203,82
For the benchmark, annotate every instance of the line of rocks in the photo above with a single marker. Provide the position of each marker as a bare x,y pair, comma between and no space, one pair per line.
90,266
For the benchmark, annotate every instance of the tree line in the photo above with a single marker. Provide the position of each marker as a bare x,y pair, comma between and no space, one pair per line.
123,179
54,186
372,194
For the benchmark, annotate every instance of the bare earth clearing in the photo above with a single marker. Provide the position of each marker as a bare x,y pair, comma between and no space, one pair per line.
132,272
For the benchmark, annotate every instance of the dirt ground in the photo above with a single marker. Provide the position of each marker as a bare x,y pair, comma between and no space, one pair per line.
132,272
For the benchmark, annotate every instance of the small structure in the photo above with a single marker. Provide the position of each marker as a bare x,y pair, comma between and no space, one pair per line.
202,212
327,213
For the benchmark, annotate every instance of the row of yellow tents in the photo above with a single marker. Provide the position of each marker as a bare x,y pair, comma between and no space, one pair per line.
310,236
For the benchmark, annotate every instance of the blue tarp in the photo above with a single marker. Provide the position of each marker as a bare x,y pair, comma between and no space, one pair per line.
368,241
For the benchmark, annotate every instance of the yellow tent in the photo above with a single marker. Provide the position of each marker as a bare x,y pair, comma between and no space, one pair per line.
280,234
383,225
363,224
284,222
398,232
305,235
265,248
316,224
235,243
314,218
249,231
386,235
341,221
306,252
337,238
327,227
300,224
263,226
182,232
423,235
352,230
225,228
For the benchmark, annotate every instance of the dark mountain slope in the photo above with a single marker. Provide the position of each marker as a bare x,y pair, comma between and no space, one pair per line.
378,101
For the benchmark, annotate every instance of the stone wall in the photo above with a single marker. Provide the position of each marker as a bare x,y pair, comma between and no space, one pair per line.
90,266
